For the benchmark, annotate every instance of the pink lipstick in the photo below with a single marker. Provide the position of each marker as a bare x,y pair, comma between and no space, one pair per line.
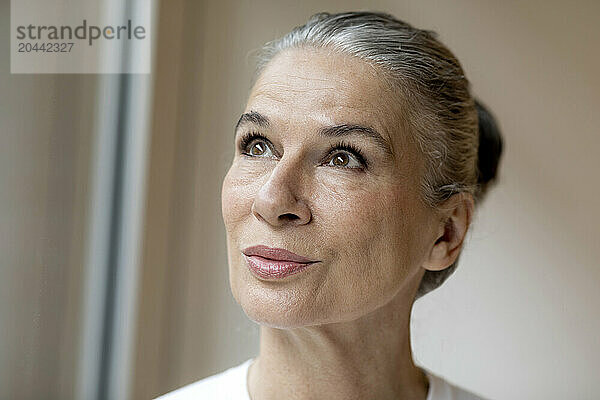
274,263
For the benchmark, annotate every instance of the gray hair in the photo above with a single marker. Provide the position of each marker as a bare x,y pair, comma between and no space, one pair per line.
439,111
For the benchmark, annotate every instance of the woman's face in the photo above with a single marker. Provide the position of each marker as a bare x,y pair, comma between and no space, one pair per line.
329,175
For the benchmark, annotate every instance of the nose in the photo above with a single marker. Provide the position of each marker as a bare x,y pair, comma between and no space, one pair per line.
277,201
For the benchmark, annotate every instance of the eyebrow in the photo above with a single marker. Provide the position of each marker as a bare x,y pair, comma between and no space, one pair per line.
341,130
254,118
348,129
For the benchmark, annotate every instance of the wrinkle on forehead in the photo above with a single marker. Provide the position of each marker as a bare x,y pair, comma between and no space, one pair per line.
345,89
265,87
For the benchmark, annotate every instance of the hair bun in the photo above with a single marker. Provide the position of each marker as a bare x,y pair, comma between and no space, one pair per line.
490,148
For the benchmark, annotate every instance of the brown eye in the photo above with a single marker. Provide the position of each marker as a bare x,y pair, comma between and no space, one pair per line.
345,160
256,147
341,159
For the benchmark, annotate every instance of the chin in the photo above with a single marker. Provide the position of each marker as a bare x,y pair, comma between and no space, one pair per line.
274,318
282,307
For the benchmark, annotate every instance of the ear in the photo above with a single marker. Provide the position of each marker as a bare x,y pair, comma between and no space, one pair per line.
454,220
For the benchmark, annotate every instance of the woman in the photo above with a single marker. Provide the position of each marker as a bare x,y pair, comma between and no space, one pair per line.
354,182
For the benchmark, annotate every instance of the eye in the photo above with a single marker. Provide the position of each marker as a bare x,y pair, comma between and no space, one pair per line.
255,145
258,148
346,155
345,160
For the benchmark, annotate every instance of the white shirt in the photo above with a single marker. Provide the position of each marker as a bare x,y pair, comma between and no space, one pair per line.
231,385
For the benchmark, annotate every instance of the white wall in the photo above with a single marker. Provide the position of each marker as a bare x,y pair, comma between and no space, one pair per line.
519,319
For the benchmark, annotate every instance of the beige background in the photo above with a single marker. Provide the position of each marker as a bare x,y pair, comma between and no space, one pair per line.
519,319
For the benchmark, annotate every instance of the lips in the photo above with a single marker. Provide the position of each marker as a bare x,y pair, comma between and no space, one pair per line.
274,253
274,263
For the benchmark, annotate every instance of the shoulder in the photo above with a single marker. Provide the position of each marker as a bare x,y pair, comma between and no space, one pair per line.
229,384
440,389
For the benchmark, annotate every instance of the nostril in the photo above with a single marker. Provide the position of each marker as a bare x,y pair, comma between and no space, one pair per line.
288,216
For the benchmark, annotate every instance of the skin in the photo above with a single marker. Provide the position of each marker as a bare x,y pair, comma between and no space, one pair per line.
340,328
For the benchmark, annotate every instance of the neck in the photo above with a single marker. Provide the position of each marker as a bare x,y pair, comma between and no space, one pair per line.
366,358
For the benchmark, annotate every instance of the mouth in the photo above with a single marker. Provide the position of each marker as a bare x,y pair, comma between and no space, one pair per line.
274,263
275,253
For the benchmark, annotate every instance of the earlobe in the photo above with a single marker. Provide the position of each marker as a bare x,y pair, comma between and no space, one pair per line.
451,232
437,257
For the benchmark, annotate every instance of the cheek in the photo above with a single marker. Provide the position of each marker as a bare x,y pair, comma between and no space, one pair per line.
362,212
236,199
372,231
367,233
236,205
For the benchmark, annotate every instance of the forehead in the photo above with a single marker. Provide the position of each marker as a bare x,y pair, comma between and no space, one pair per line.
322,87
